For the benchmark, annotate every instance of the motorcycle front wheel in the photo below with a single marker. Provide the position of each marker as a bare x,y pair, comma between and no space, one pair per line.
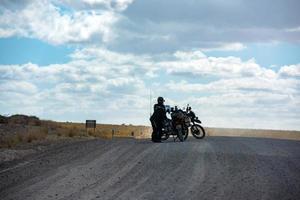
198,131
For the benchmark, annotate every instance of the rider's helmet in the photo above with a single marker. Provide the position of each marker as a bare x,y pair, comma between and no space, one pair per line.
160,100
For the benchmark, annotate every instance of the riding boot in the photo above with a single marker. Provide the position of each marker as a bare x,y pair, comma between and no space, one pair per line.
156,136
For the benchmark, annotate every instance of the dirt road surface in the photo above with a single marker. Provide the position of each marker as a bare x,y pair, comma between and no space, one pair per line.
213,168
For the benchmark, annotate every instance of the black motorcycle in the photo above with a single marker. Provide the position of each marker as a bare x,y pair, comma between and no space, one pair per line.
179,124
176,126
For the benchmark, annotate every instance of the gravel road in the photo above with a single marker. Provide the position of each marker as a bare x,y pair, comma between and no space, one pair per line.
213,168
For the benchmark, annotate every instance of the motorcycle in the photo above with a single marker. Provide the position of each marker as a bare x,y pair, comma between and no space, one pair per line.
179,124
176,126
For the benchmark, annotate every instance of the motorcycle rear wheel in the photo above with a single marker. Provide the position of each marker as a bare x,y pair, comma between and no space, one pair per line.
198,131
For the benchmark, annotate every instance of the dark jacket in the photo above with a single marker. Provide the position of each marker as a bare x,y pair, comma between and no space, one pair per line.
159,114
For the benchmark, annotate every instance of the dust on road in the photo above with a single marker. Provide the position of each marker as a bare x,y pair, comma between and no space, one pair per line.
213,168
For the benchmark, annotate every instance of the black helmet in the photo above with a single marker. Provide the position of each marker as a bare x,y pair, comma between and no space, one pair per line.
160,100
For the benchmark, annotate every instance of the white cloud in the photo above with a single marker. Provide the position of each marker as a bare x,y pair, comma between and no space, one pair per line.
249,109
131,64
296,29
196,63
107,56
113,87
78,88
242,100
22,87
123,4
290,71
247,84
7,32
231,92
118,5
192,55
226,47
46,21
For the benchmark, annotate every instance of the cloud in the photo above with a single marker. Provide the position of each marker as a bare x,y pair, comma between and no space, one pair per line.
133,65
296,29
256,109
245,84
196,63
192,55
232,106
234,14
230,92
113,87
117,5
94,84
22,87
151,26
226,47
47,21
255,97
290,71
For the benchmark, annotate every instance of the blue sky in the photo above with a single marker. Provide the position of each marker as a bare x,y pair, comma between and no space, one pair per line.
236,62
15,50
267,55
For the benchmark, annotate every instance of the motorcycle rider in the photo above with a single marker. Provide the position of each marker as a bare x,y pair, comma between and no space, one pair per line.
157,119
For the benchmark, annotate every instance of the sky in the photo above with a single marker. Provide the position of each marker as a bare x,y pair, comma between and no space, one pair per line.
236,63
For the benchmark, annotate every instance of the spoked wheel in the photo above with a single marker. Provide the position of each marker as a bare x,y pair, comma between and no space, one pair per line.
198,131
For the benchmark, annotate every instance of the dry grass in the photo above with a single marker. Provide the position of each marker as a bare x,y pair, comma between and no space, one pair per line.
27,137
18,133
103,130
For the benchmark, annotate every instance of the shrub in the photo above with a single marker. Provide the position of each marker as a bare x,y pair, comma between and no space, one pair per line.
71,132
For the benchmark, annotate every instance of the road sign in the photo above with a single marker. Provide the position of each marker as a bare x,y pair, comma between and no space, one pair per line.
90,124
